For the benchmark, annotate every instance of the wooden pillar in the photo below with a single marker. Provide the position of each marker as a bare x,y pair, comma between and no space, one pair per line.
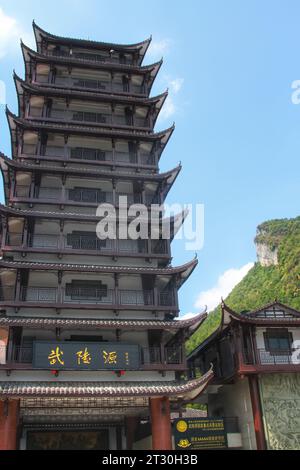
112,119
67,152
257,412
61,240
18,290
60,292
119,437
5,237
131,423
114,193
112,76
161,423
9,420
12,189
113,148
25,234
116,299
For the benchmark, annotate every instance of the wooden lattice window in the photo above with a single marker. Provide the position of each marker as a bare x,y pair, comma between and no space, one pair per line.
278,340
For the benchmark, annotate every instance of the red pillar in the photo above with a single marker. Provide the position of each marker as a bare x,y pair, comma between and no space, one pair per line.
257,412
161,423
9,420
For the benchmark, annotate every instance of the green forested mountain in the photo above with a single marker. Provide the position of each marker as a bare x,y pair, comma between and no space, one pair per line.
276,275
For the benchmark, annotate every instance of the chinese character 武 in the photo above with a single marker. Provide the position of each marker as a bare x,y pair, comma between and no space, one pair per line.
56,356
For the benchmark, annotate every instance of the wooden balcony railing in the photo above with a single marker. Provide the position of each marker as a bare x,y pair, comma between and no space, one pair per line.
90,155
87,243
167,355
90,117
101,86
78,195
20,357
89,295
88,57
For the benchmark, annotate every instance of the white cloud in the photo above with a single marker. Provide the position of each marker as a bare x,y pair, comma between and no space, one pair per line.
175,85
158,48
188,315
10,33
170,107
225,283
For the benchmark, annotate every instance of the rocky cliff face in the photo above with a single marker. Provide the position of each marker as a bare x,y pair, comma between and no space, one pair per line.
266,255
276,275
266,246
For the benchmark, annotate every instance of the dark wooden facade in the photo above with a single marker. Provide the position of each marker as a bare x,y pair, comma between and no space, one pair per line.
233,348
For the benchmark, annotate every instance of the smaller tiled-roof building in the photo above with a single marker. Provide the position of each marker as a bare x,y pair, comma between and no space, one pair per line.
256,360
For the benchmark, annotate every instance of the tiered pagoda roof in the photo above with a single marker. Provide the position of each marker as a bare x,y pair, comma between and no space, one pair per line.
22,261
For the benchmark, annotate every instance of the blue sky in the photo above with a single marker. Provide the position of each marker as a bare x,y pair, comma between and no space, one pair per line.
229,67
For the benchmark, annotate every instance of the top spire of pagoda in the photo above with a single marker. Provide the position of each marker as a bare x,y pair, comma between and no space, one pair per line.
138,49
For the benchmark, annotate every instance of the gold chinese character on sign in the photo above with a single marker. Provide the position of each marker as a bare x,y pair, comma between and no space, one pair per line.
83,357
56,356
110,357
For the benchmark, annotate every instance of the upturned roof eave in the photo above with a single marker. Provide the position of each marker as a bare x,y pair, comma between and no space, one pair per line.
183,390
4,160
141,46
250,317
4,209
52,322
182,270
272,304
14,120
37,89
153,69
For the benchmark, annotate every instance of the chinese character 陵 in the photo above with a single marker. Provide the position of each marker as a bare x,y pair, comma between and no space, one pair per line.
83,357
56,356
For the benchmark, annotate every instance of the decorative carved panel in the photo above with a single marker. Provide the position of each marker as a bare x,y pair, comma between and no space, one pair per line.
280,394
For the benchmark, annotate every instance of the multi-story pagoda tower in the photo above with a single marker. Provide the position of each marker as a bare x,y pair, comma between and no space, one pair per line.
89,344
